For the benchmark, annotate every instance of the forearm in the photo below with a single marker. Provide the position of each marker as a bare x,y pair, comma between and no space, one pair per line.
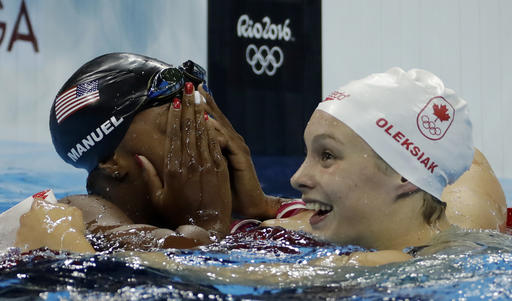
264,273
265,208
362,259
109,228
273,204
140,237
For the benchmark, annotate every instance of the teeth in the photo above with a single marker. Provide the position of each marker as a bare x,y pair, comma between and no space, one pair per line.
318,206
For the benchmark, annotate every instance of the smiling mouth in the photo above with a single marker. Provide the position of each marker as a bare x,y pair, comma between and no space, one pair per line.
322,210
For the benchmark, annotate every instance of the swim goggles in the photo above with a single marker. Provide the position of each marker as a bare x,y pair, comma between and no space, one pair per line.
170,82
164,85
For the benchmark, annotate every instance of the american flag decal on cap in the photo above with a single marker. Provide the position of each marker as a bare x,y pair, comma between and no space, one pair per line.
75,99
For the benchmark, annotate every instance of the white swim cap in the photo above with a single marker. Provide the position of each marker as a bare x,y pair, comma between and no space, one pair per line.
419,127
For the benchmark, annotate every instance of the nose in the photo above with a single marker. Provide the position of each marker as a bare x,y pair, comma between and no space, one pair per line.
303,178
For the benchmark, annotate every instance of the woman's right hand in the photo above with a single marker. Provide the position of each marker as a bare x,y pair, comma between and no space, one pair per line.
195,186
249,200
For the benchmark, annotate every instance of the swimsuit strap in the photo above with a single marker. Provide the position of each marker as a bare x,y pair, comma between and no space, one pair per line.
243,225
287,209
291,208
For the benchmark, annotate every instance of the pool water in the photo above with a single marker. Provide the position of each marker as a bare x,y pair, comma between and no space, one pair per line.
269,265
467,271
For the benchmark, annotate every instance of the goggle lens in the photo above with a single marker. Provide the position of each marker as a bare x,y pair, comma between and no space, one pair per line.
170,81
195,73
166,82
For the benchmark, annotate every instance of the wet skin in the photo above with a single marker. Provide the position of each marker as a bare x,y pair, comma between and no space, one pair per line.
361,205
168,171
339,171
193,185
184,171
475,201
313,188
179,178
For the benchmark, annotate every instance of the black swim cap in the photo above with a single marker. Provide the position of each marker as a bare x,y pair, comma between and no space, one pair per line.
94,108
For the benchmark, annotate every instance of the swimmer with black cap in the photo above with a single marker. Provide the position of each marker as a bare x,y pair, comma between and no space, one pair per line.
366,184
138,127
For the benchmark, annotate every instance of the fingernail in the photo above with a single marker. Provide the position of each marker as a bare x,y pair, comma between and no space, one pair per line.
176,104
138,160
197,97
206,89
189,87
206,116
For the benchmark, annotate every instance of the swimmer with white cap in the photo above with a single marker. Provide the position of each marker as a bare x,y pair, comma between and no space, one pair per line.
380,152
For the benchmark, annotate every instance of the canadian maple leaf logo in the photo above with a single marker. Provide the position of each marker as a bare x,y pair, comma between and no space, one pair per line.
441,112
436,108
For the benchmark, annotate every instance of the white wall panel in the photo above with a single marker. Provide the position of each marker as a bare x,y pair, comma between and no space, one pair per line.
467,43
69,33
490,94
505,25
391,39
409,26
470,64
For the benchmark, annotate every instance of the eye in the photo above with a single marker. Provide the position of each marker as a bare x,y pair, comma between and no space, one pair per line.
326,155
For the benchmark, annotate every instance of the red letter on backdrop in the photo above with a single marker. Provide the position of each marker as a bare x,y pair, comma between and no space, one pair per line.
30,37
2,26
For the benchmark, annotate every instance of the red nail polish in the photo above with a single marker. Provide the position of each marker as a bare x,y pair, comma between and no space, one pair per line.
206,116
176,104
138,160
189,88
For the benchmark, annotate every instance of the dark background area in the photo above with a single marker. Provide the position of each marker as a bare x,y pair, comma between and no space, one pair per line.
269,111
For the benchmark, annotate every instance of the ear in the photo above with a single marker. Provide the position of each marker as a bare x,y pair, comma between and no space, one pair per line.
113,168
405,187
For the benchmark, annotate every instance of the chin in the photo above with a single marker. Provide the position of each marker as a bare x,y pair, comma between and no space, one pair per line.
330,233
323,232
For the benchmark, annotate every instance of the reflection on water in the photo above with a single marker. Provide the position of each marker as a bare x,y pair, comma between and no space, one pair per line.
475,265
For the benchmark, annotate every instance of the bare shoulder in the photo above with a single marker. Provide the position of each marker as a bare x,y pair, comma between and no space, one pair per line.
97,210
476,200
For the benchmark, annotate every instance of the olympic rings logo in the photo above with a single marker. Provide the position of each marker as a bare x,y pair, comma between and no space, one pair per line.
430,126
436,118
264,59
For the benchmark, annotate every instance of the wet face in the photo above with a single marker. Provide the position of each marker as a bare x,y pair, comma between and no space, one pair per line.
145,136
172,169
354,201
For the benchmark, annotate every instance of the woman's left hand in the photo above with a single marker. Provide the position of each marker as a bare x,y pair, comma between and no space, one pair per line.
196,187
249,200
